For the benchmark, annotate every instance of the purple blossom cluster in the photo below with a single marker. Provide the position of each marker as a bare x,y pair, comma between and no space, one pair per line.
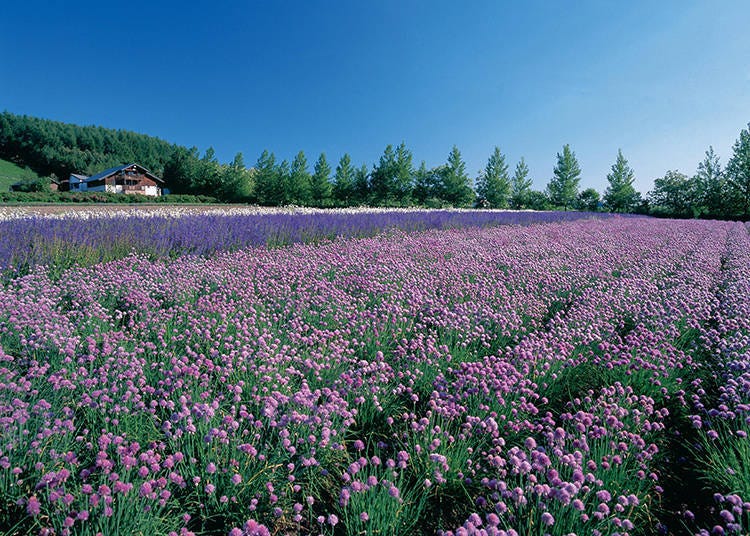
84,239
496,380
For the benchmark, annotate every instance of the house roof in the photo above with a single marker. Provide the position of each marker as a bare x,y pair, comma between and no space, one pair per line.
112,171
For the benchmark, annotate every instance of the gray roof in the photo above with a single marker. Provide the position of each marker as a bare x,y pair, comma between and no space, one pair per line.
112,171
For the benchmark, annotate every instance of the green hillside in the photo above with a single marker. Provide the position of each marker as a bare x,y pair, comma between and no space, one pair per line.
10,173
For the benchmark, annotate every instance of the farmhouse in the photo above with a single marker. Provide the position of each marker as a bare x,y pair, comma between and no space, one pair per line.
127,179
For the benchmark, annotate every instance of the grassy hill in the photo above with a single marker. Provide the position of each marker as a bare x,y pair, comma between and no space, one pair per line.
10,173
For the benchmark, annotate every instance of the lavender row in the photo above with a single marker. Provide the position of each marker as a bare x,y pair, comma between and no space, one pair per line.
507,380
722,400
81,240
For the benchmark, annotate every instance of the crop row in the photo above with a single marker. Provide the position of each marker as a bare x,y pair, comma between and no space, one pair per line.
502,380
87,237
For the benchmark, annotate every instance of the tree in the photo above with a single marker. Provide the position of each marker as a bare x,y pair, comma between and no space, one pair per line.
208,180
391,179
563,187
320,183
588,200
181,169
520,186
455,183
343,181
620,195
427,186
297,183
672,195
710,185
493,185
738,173
269,188
537,200
362,188
236,181
404,175
382,180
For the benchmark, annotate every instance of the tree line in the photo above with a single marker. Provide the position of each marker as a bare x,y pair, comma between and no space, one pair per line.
53,148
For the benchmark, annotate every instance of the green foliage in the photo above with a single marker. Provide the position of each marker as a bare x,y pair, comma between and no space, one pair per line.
343,182
320,183
297,182
536,200
673,195
11,174
738,173
563,187
621,195
362,190
391,179
456,185
711,186
51,147
588,200
520,186
427,184
101,197
493,185
269,186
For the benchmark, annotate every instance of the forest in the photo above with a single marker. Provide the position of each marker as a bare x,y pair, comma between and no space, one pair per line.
54,150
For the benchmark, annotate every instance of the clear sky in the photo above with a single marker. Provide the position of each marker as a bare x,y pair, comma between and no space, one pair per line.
661,80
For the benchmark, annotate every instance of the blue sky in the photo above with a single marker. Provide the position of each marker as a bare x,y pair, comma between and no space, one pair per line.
661,80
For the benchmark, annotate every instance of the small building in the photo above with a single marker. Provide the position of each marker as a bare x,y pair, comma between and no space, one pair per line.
127,179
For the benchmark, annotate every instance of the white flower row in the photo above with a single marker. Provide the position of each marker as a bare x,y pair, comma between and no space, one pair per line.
176,211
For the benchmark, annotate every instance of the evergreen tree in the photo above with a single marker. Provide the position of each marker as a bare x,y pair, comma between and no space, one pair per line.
391,179
210,174
404,178
236,181
738,173
297,183
493,186
320,184
181,169
343,182
362,186
711,186
563,187
620,195
520,186
269,188
456,185
382,180
426,185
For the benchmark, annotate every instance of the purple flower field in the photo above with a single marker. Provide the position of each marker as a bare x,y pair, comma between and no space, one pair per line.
589,377
90,237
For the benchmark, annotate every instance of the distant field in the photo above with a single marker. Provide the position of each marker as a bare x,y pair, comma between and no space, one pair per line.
10,173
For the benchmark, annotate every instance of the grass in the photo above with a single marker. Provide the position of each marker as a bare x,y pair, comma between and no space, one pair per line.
11,173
